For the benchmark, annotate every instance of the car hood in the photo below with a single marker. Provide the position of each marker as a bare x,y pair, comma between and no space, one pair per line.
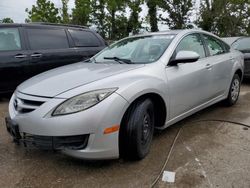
57,81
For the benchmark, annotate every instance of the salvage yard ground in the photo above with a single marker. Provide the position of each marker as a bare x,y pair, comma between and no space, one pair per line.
206,154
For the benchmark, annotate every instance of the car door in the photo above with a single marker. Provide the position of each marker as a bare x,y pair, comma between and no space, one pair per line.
221,62
189,83
48,48
86,42
13,58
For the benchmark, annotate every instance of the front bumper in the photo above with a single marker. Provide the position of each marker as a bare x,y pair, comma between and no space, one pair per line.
78,142
39,124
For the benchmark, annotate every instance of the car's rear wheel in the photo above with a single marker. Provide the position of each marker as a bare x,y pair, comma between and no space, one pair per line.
137,130
234,91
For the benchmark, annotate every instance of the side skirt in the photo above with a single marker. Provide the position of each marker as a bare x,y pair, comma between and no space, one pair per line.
192,111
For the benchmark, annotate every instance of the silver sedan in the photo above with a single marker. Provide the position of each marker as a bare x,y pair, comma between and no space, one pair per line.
110,105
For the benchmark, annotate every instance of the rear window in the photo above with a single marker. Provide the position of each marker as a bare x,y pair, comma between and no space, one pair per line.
41,39
215,47
9,39
84,38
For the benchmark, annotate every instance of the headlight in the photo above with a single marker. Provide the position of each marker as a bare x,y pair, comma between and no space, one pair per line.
82,102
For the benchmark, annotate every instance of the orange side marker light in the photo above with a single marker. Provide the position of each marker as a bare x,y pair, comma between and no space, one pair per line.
112,129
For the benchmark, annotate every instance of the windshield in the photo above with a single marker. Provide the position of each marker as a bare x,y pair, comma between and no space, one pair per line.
242,44
135,50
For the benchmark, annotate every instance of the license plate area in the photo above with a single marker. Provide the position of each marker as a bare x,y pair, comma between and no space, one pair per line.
77,142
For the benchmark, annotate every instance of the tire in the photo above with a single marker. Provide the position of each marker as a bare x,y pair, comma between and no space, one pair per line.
234,91
137,130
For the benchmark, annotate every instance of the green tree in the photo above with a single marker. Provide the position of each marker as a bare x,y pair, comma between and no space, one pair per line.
152,14
65,14
134,23
121,23
99,16
7,20
206,17
43,11
113,6
225,17
178,11
81,14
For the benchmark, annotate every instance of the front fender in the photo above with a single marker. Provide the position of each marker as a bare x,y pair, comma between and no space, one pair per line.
238,63
144,85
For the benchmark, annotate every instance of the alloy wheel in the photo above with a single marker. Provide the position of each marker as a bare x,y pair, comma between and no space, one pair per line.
235,89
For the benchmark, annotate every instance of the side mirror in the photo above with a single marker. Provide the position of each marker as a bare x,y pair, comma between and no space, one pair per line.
184,57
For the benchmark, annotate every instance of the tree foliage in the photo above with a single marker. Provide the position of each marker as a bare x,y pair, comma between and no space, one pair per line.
115,19
134,23
7,20
109,18
65,14
81,12
121,25
99,16
113,7
225,17
152,14
179,12
43,11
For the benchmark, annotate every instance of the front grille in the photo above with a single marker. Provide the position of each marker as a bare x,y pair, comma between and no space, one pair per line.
26,106
55,142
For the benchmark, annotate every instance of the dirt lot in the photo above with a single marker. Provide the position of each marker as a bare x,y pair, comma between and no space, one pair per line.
206,154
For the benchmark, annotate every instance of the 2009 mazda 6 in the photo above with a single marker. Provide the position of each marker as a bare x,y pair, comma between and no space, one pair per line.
109,105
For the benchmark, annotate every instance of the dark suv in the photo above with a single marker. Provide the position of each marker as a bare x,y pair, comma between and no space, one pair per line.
29,49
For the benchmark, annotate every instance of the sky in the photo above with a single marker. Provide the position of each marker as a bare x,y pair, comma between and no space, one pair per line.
15,9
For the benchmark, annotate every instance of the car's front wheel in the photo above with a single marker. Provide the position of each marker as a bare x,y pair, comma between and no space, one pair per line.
137,130
234,91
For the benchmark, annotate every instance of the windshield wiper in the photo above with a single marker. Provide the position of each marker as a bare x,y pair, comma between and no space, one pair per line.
119,60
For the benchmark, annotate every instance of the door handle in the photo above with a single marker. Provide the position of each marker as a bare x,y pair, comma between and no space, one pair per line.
20,56
36,55
209,66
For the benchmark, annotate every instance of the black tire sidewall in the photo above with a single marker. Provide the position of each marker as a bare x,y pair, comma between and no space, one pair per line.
132,130
143,149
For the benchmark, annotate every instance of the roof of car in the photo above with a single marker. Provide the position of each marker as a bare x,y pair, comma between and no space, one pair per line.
42,24
169,31
174,32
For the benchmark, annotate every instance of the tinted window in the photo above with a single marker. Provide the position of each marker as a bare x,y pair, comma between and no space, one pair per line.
215,47
9,39
40,39
192,42
242,44
84,38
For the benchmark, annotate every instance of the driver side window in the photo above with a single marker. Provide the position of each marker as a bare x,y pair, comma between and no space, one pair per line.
192,42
